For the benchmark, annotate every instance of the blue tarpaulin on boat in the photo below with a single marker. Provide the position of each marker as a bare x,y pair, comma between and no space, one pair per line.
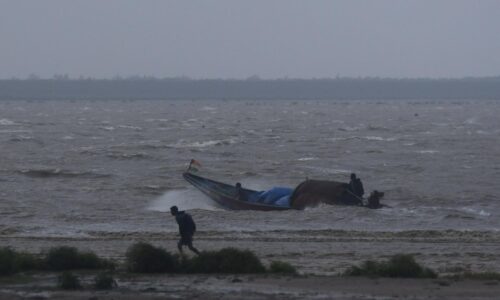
276,196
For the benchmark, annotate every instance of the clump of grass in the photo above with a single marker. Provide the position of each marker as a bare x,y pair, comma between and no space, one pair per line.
7,264
68,281
104,281
28,261
145,258
282,267
227,260
400,265
12,261
69,258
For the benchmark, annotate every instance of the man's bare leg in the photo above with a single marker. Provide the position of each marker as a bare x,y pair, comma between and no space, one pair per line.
190,246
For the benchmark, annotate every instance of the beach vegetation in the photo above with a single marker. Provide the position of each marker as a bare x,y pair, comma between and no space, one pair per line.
399,265
104,281
282,267
7,264
12,261
69,258
68,281
227,260
146,258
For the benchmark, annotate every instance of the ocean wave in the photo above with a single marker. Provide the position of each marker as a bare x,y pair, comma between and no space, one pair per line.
471,121
347,128
187,199
378,138
476,211
136,128
307,158
377,128
45,173
121,155
15,131
427,151
21,138
6,122
157,120
107,128
208,108
184,144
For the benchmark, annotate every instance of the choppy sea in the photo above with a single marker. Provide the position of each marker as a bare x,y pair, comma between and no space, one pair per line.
82,168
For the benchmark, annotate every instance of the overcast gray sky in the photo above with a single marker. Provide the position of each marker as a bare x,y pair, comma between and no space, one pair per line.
237,39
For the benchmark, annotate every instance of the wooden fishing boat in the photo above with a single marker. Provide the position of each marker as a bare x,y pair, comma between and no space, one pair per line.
309,193
230,196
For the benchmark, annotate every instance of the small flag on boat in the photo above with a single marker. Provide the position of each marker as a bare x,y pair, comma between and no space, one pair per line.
194,165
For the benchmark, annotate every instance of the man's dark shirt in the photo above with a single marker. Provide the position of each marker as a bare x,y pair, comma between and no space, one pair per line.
186,223
358,187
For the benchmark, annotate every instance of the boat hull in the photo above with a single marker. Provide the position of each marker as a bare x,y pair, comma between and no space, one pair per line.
228,196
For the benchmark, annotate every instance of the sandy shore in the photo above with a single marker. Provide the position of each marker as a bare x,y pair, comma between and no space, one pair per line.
257,287
322,252
319,257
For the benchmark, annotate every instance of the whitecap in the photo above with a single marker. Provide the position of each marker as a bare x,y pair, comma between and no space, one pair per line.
6,122
307,158
208,108
340,139
427,151
379,138
108,128
20,138
471,121
16,131
156,120
482,132
475,211
347,128
130,127
203,144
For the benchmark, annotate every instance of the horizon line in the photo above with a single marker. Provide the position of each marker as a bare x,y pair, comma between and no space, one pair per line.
66,77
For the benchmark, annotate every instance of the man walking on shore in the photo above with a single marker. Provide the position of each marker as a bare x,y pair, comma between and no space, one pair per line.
187,228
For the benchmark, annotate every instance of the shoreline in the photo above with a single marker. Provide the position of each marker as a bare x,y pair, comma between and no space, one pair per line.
321,252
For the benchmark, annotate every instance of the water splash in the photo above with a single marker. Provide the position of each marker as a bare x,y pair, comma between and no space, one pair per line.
184,199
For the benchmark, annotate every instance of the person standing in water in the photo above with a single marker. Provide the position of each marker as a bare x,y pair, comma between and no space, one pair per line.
187,228
356,186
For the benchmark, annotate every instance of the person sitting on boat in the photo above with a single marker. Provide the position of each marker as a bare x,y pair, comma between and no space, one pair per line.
239,191
356,186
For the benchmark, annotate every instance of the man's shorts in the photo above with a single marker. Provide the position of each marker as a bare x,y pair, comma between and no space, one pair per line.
186,240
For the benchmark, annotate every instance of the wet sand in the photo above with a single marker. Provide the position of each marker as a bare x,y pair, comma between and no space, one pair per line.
258,287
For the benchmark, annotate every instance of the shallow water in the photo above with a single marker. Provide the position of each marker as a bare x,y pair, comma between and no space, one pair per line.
83,169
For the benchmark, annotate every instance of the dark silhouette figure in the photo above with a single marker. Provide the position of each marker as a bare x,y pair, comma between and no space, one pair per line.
374,199
356,186
187,228
239,191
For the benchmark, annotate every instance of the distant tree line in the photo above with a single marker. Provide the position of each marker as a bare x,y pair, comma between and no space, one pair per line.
144,88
